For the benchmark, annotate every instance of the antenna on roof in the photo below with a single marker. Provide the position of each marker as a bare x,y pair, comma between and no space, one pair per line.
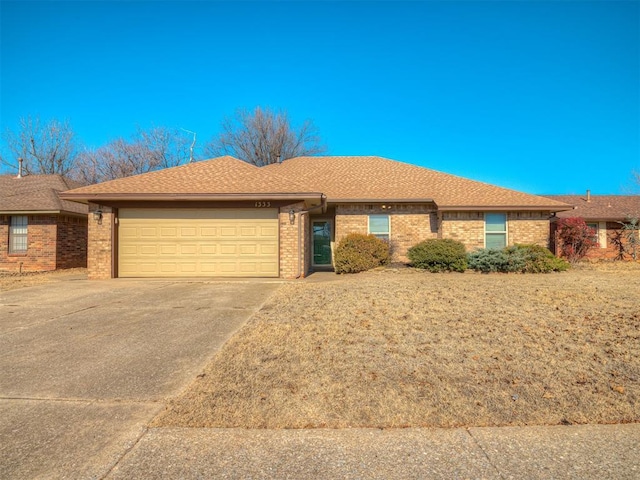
192,145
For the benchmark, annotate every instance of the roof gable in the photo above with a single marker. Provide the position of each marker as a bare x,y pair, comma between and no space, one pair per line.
222,176
37,193
371,178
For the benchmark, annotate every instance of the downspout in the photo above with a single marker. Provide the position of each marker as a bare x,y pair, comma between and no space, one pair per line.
323,206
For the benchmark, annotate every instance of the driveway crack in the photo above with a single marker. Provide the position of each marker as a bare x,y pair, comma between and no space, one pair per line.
484,452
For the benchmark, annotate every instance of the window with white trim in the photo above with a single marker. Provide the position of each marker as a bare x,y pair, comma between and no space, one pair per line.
379,226
18,234
495,230
593,226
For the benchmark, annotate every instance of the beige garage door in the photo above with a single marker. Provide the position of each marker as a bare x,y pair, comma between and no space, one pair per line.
198,242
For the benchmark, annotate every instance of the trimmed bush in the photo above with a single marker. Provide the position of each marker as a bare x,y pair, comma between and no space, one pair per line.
493,260
357,252
517,258
439,255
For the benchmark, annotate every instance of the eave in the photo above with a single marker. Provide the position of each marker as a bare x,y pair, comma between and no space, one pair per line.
42,212
97,197
503,208
380,200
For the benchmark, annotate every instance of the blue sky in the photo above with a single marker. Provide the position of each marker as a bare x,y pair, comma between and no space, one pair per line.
542,97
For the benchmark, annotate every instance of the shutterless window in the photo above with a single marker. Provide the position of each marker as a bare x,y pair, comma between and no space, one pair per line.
495,228
18,234
379,226
594,229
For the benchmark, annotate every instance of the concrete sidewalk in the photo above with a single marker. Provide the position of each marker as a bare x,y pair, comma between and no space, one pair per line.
559,452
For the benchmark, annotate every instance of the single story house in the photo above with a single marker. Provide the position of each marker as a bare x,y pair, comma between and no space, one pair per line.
605,214
38,230
224,217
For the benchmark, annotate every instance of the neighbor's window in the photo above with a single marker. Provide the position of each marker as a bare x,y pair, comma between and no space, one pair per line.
495,229
594,228
18,234
379,226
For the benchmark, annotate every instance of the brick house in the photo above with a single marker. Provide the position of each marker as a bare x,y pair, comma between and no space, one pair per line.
38,230
605,214
224,217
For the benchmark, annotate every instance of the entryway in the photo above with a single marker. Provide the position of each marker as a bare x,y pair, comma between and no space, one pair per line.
321,237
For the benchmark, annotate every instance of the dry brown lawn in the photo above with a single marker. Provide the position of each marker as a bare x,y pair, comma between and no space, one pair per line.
405,348
13,280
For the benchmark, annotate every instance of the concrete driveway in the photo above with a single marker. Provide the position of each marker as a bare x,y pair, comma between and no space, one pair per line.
84,365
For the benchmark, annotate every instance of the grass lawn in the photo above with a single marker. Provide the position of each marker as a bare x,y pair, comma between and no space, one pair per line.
411,349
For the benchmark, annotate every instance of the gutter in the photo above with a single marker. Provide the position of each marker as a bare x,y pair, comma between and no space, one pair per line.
97,197
42,212
502,208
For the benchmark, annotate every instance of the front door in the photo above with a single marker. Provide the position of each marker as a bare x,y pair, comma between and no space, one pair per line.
321,242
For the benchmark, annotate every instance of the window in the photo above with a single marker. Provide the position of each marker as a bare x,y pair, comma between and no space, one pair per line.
594,228
379,226
18,235
495,230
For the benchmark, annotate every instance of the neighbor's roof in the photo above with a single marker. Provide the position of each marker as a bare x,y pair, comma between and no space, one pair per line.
223,177
376,178
600,207
37,194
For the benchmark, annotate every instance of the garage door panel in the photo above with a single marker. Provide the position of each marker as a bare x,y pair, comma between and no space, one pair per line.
198,242
208,232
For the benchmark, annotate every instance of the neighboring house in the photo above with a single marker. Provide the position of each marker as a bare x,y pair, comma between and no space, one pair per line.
38,230
604,214
224,217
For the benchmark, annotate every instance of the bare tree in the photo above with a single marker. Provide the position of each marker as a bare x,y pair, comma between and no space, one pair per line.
46,147
263,136
154,149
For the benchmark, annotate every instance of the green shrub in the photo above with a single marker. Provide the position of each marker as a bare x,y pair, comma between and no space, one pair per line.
439,255
517,258
493,260
357,252
537,259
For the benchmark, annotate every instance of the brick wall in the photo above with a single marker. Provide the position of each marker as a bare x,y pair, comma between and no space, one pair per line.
529,227
41,245
607,250
71,248
522,227
465,227
100,249
293,262
409,224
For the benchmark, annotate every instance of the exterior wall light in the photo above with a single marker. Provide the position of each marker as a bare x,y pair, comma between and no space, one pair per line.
292,216
97,216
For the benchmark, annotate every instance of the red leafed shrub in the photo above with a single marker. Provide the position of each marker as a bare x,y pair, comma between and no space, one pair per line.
576,238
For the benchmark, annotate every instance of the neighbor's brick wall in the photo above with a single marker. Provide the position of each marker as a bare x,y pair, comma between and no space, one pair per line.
71,249
291,263
100,248
608,251
409,224
41,245
522,227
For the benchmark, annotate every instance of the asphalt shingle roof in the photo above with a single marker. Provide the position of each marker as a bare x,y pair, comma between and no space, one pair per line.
600,207
339,178
372,178
34,193
218,176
